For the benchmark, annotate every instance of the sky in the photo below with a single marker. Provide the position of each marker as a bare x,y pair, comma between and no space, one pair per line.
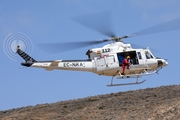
45,21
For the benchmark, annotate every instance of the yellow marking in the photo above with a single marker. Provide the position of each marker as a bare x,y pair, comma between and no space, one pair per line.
54,63
99,52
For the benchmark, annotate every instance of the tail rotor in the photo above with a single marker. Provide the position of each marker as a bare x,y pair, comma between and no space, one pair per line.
12,41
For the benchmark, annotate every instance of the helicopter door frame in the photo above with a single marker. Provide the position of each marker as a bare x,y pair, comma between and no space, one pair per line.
105,62
141,58
149,58
111,61
100,63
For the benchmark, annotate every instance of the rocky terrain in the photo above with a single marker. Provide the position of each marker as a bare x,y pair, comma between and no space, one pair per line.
162,103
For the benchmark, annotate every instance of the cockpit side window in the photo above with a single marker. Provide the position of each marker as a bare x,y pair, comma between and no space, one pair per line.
148,55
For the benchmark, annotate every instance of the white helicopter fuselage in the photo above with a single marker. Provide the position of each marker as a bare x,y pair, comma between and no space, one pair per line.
107,61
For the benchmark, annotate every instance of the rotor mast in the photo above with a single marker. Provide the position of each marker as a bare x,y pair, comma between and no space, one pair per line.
118,39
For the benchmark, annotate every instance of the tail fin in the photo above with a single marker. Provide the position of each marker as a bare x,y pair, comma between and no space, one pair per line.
29,60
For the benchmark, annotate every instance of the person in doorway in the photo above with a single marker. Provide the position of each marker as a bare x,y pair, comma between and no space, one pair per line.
125,63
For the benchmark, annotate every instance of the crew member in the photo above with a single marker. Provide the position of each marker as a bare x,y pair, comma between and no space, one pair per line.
125,63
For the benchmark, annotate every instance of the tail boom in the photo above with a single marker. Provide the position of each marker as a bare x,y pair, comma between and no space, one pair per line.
77,65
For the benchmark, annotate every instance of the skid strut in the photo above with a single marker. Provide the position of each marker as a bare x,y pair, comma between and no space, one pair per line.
137,82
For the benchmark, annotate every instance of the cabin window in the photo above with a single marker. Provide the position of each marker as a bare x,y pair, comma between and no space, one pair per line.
139,55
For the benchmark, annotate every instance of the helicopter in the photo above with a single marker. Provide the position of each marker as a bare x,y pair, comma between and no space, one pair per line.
108,60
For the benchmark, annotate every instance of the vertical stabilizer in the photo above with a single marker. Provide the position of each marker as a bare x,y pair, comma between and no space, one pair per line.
29,60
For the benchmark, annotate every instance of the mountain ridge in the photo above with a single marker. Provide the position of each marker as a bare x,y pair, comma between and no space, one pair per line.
144,104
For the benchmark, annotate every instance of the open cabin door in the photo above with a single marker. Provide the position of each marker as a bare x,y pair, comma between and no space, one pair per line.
137,59
105,62
133,57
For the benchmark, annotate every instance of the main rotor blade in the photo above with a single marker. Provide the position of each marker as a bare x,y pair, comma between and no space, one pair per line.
100,22
164,27
66,46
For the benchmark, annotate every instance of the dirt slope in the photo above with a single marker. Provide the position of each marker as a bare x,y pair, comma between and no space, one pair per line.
162,103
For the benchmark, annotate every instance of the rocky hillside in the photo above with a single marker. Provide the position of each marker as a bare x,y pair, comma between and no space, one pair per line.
162,103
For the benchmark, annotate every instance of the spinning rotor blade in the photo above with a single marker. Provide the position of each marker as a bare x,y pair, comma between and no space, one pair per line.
61,47
100,22
164,27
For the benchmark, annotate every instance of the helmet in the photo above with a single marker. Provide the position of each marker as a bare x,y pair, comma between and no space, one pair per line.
128,57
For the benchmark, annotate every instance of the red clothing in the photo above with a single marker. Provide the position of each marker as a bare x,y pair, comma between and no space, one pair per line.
124,64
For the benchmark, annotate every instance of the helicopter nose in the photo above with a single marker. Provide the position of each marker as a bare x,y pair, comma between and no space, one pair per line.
165,63
162,62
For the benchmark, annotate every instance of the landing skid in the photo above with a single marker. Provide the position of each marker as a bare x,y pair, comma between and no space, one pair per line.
135,83
119,76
